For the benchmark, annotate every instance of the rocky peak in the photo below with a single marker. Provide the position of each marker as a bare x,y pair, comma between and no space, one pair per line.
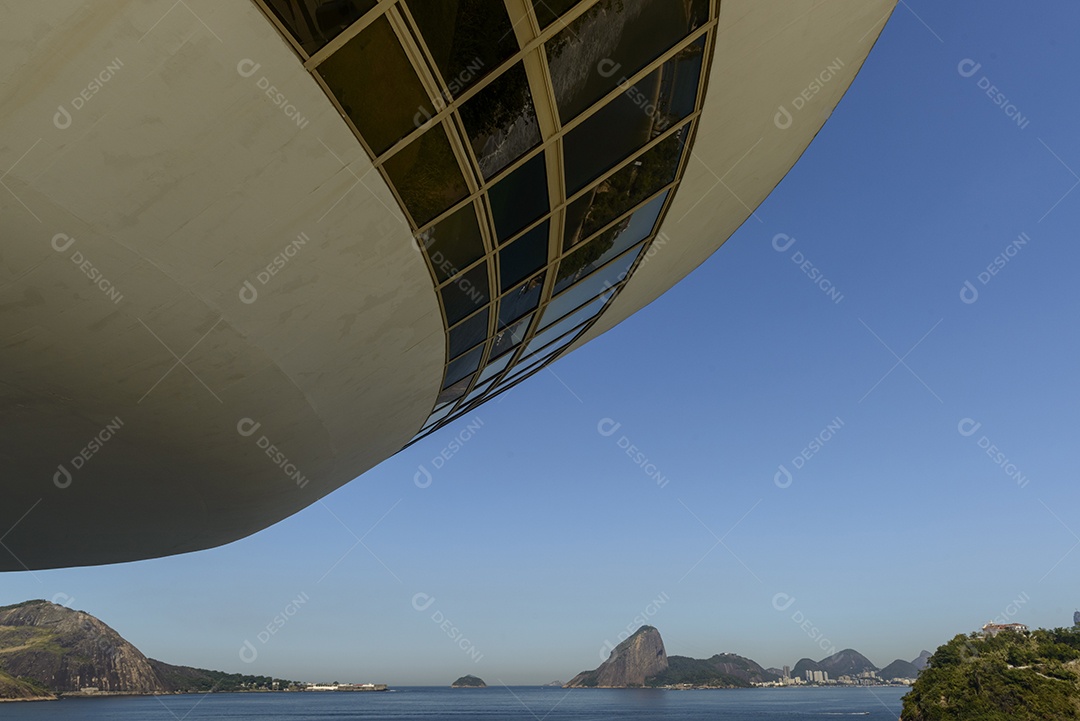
630,663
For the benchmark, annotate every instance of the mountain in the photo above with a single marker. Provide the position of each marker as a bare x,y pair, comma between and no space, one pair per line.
804,665
724,670
630,663
1010,676
848,662
468,681
65,650
920,662
47,647
898,669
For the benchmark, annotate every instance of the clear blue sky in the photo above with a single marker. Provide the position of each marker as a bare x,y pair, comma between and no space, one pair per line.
541,539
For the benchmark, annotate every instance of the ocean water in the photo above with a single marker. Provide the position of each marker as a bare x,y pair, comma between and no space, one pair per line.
520,703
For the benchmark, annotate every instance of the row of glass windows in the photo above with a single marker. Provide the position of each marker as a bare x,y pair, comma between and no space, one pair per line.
440,93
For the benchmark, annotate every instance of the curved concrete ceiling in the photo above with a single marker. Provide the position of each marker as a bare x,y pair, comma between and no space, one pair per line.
211,309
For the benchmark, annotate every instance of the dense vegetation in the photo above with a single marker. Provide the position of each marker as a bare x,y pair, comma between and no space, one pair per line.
713,672
469,681
1008,677
187,679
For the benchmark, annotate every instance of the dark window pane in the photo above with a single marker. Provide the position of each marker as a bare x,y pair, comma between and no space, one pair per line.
519,198
520,300
501,121
547,11
679,86
627,187
467,38
611,134
613,40
427,176
314,23
455,391
359,75
469,333
466,294
510,337
454,243
602,281
608,244
523,257
463,366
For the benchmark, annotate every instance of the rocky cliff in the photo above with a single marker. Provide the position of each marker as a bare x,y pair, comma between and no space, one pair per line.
65,650
631,662
46,649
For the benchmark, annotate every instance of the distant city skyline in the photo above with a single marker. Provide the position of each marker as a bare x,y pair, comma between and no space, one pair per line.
879,472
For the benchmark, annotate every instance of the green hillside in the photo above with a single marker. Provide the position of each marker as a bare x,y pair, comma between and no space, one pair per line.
1008,677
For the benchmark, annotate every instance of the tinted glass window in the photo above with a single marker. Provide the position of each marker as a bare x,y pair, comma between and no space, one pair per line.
557,325
463,366
608,244
466,294
468,333
614,132
314,23
520,300
501,121
455,391
547,11
602,281
493,368
454,243
613,40
360,72
519,198
509,338
426,175
523,257
624,189
467,38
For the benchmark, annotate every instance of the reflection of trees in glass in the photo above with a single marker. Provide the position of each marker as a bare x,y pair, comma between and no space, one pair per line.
578,263
557,44
498,105
467,38
426,175
630,186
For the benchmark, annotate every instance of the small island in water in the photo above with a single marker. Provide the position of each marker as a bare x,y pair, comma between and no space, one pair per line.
468,681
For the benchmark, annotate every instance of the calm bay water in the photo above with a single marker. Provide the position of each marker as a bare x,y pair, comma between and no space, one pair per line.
490,704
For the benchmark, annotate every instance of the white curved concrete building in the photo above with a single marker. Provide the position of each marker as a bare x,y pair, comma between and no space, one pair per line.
252,249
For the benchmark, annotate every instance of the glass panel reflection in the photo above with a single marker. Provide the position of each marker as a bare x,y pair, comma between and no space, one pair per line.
501,121
602,281
454,243
455,391
520,300
607,245
467,334
548,11
463,366
466,294
494,368
362,70
614,132
467,38
613,40
509,338
519,198
523,257
624,189
554,326
426,175
314,23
